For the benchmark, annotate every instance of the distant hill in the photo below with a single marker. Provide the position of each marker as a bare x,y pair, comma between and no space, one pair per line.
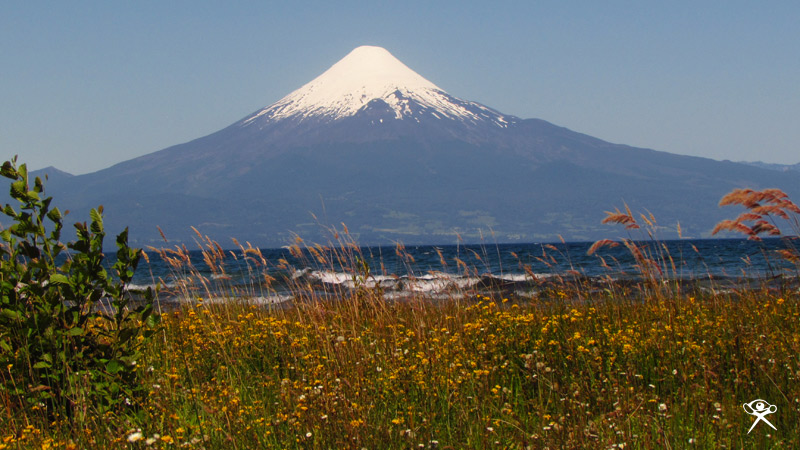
373,145
778,167
51,173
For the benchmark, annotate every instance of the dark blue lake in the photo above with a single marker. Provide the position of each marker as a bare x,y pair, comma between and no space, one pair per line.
273,274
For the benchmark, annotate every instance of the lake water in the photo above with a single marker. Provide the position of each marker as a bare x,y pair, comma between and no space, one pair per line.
441,270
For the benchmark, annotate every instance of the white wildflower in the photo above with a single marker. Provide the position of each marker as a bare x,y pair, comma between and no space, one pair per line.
136,436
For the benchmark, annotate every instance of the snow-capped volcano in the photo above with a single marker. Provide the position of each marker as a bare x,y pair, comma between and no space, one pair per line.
373,145
371,77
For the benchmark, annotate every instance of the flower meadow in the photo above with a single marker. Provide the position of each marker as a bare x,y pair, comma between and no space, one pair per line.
651,365
478,372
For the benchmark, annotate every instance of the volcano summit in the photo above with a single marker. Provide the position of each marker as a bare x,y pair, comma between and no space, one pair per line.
371,95
366,78
372,144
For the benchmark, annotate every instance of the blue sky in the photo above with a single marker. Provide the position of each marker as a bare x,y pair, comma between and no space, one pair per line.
84,85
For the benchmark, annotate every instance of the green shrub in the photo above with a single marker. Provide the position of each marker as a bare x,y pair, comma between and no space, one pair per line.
69,335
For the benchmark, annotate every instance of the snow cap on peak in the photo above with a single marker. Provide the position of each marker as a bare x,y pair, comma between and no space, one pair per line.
367,73
369,67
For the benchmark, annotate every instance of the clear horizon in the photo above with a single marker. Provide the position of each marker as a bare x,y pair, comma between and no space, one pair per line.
90,84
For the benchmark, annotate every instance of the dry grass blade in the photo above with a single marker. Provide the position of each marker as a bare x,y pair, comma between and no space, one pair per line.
770,209
763,206
732,225
790,206
745,197
601,243
789,255
749,217
621,218
650,221
161,232
762,226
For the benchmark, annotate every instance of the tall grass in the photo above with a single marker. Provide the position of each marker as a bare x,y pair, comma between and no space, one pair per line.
644,366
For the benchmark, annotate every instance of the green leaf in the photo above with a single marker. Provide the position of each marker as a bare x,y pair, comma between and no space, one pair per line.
8,170
18,189
54,215
152,320
122,239
95,216
97,220
10,314
114,366
59,278
41,365
75,331
126,334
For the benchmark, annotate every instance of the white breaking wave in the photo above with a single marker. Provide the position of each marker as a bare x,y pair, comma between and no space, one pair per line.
273,299
520,277
430,283
139,287
331,277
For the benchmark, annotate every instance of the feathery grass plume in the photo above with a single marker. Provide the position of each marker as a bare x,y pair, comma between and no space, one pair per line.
603,263
601,243
653,260
789,255
442,261
621,218
762,226
762,207
650,221
751,199
161,232
762,210
732,225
